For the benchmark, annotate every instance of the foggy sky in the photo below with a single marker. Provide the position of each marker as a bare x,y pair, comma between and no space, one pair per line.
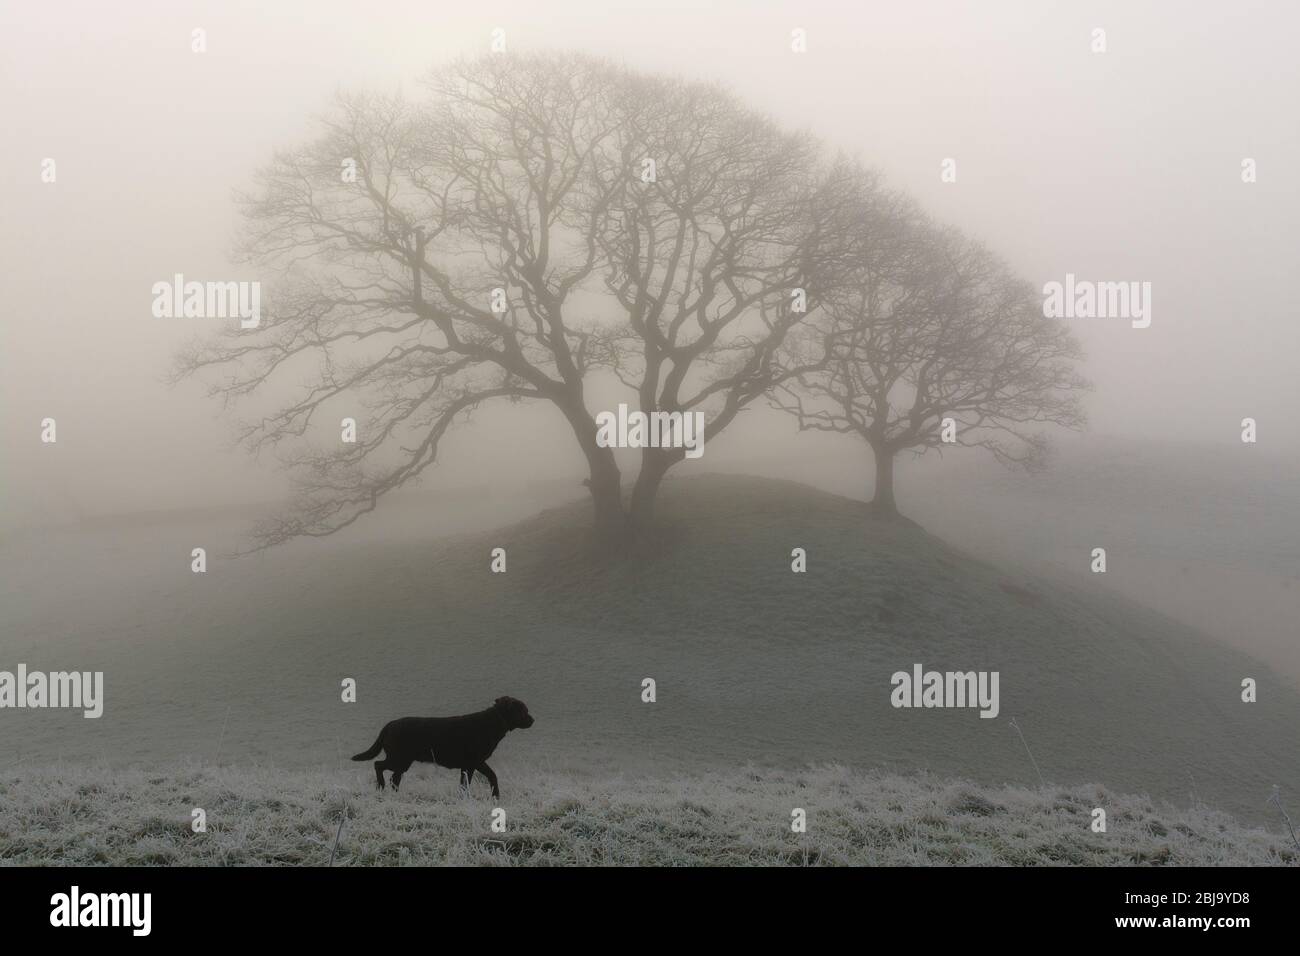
1119,166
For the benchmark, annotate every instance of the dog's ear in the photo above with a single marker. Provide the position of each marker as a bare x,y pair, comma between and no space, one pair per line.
500,701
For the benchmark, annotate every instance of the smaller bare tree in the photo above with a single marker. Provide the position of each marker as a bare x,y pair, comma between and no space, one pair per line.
929,339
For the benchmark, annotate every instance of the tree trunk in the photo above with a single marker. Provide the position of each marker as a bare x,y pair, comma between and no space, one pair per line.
607,500
883,504
604,482
641,513
606,487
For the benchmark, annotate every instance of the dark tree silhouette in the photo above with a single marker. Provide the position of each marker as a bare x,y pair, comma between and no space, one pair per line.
927,332
506,237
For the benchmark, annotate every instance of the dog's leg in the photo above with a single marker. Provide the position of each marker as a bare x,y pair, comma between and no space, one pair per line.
380,767
487,771
398,767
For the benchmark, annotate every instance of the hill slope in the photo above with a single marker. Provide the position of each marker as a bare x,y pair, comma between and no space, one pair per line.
753,663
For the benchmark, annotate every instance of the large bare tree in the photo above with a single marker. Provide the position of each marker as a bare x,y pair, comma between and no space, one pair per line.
529,223
927,339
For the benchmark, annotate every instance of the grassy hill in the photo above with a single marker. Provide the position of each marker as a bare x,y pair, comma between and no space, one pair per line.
754,665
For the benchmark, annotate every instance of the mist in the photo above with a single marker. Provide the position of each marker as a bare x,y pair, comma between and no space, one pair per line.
1166,161
1124,165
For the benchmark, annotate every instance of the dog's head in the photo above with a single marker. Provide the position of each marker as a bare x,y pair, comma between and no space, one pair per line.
514,711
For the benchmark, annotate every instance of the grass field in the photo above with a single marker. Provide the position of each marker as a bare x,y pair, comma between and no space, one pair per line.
754,664
98,815
757,668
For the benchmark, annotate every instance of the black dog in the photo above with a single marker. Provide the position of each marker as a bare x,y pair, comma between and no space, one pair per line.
461,743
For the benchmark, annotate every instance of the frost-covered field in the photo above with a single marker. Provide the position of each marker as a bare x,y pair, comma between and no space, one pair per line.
99,815
754,664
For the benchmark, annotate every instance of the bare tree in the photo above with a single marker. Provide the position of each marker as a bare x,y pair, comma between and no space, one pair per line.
501,239
928,339
714,262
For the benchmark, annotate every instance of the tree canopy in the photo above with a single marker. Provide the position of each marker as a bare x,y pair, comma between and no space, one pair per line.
926,339
526,223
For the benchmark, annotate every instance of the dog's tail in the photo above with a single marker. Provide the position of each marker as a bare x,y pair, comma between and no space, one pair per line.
377,746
